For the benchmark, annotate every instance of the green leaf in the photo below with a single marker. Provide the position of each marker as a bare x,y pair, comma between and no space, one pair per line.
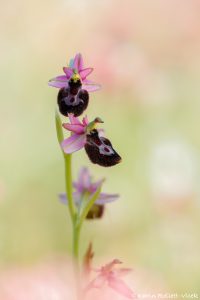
59,130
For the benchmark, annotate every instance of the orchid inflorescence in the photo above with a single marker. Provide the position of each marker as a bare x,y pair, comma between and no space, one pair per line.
84,197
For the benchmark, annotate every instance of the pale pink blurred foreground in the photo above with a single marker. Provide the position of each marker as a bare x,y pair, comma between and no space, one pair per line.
54,281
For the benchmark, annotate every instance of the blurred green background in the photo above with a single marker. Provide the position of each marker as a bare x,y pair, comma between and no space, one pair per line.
146,56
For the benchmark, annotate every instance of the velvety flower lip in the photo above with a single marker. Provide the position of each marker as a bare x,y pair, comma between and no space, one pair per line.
73,99
111,276
100,150
76,66
85,186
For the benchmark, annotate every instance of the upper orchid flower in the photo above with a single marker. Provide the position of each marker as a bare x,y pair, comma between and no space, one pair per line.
73,96
84,187
85,134
75,67
111,276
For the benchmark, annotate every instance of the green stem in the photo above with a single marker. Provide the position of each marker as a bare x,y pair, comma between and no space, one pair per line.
71,206
76,239
80,219
77,226
68,174
68,185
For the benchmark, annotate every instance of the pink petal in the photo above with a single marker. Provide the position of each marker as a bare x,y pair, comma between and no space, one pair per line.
106,198
91,87
79,129
77,198
78,187
98,282
74,120
122,271
63,198
78,62
120,286
94,186
61,78
109,267
88,81
59,82
85,72
84,179
74,143
68,72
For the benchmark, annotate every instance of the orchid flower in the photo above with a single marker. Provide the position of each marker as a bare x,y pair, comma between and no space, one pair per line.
85,134
75,67
111,276
84,187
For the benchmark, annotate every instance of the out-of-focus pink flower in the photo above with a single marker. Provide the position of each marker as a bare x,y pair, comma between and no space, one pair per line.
85,189
111,276
75,68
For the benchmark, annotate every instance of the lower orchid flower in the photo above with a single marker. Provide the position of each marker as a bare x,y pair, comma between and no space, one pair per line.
111,276
85,134
85,189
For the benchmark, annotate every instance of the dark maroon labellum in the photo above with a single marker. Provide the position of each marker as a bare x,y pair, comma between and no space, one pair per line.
100,150
72,100
74,86
96,212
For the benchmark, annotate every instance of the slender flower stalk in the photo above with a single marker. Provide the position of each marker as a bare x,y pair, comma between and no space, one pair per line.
79,222
68,171
68,176
79,219
68,182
